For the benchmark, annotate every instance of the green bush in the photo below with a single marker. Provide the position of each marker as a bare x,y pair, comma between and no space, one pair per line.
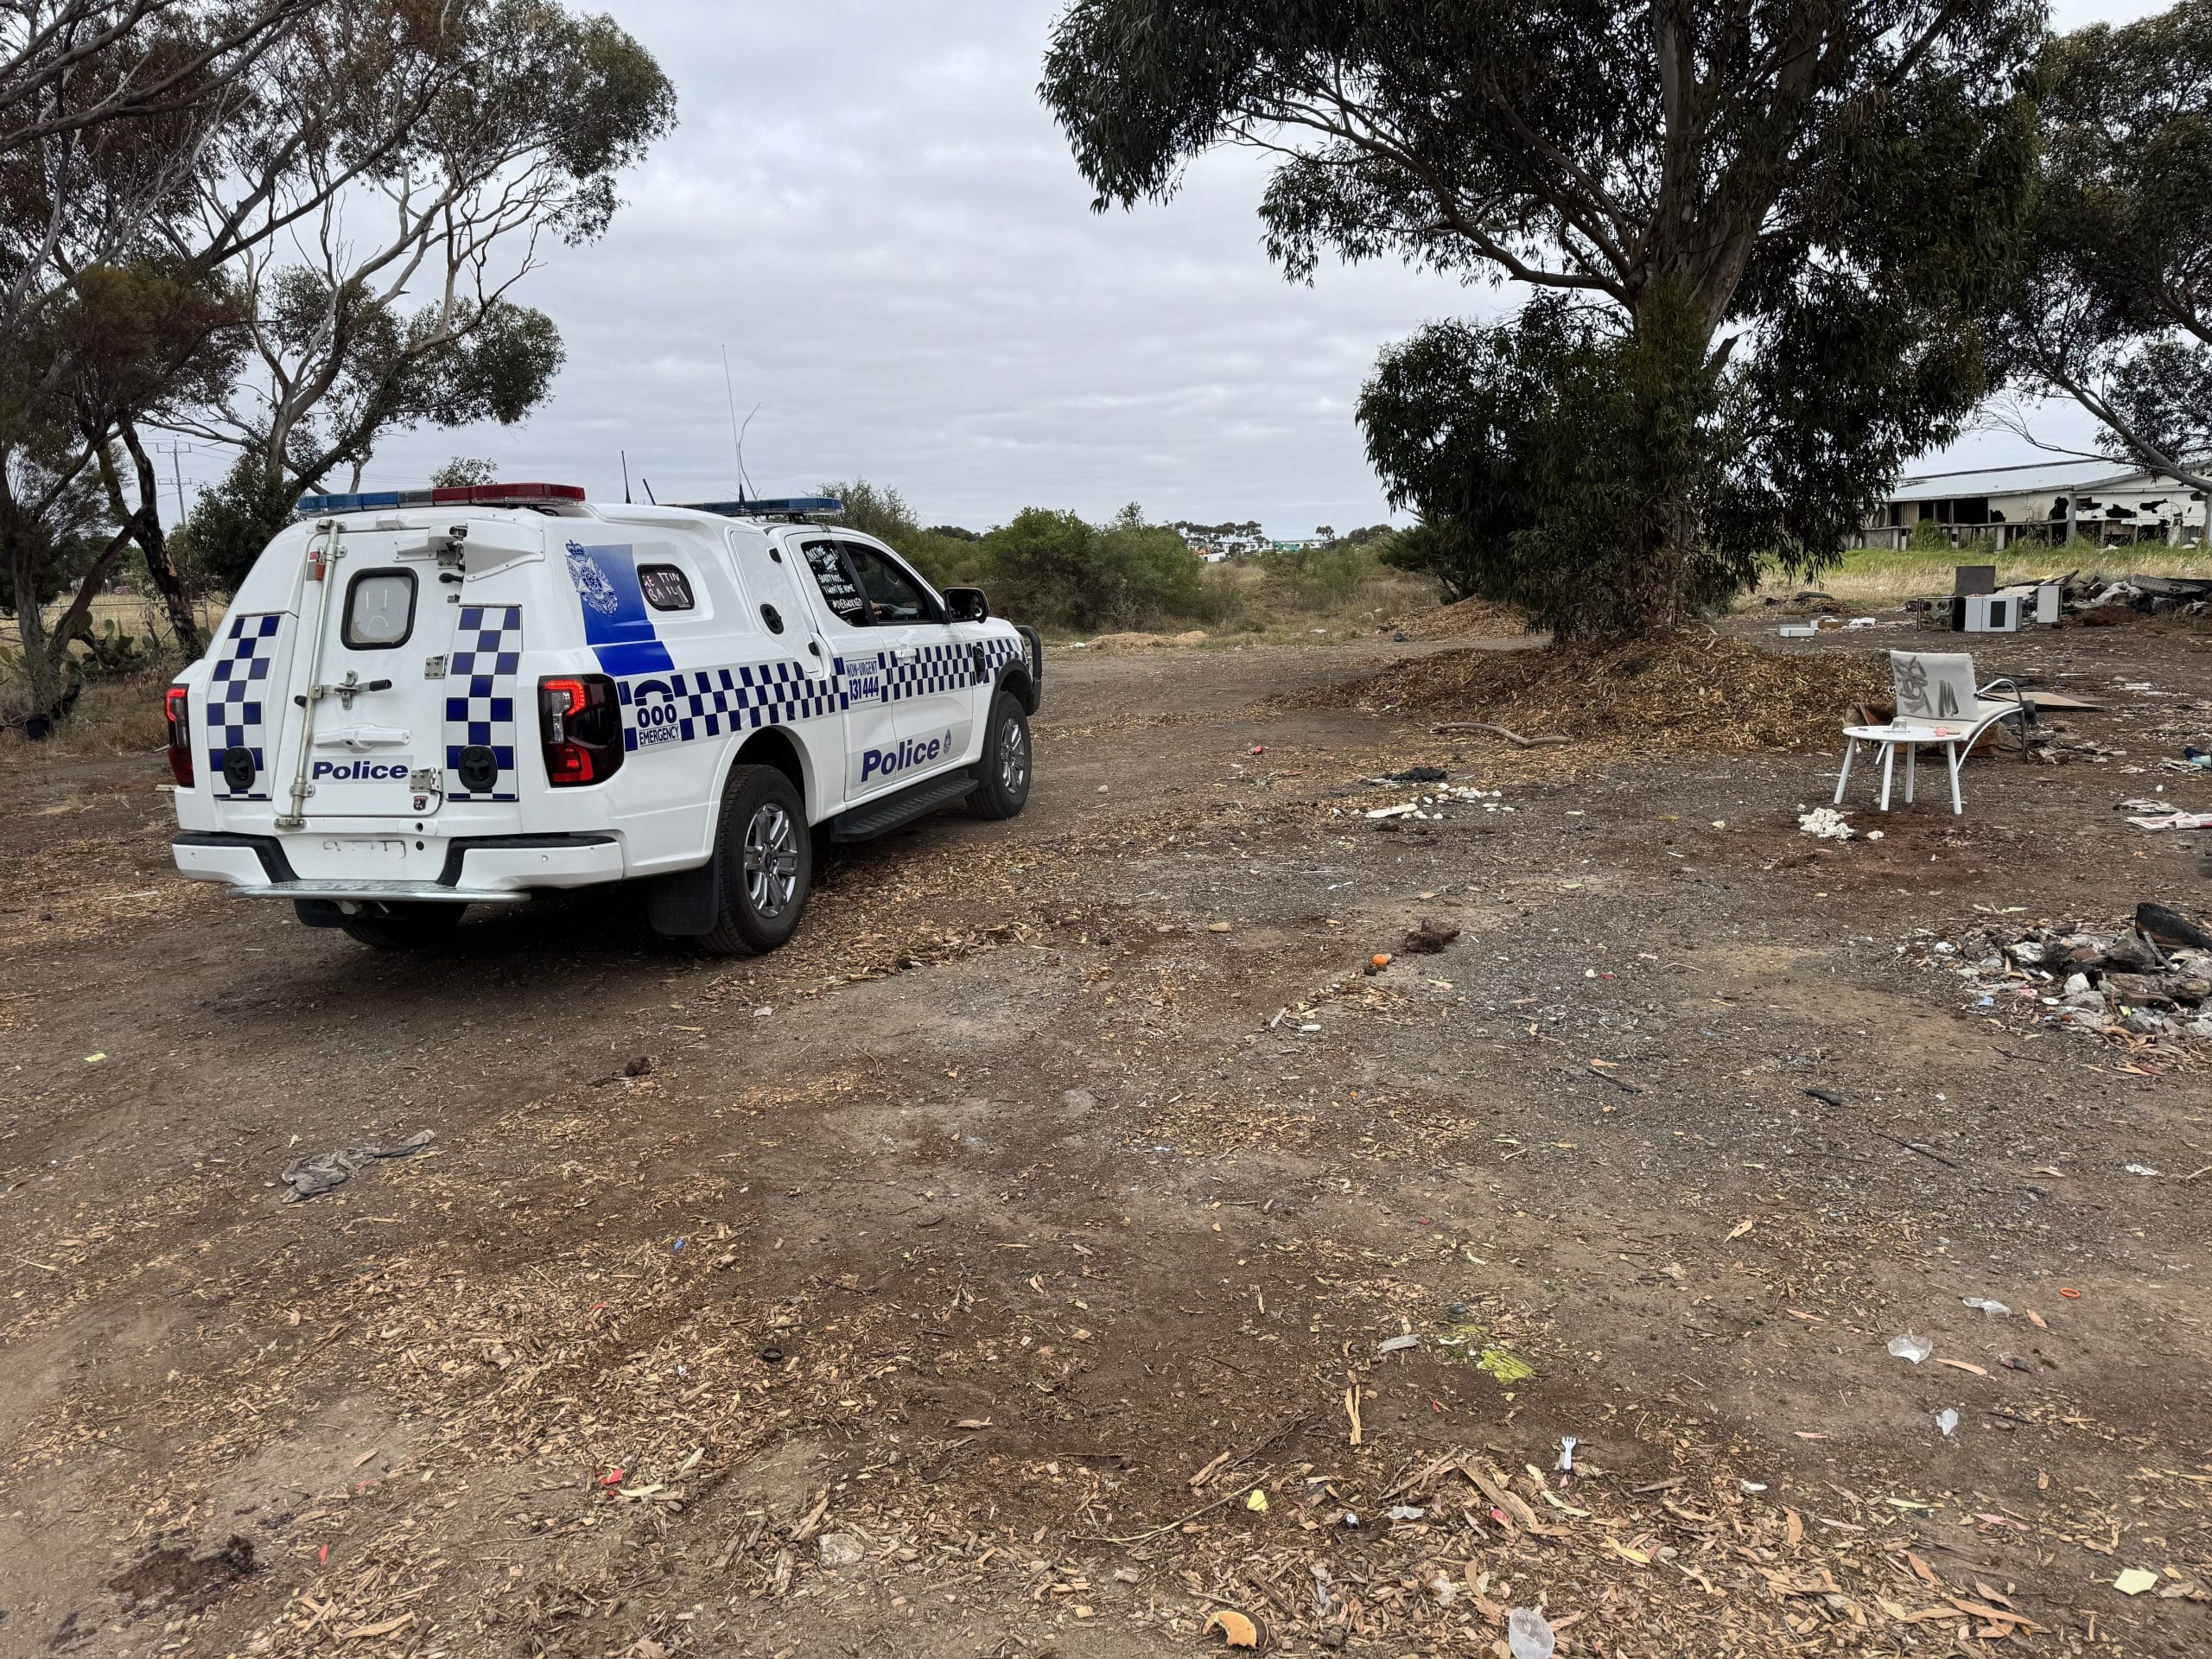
1059,571
229,525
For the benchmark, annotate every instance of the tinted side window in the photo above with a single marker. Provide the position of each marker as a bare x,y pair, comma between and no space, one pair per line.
846,601
896,597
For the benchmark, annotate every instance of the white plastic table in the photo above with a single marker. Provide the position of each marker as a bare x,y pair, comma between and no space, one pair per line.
1912,737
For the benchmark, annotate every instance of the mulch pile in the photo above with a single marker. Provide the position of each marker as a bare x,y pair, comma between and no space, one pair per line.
1703,693
1476,618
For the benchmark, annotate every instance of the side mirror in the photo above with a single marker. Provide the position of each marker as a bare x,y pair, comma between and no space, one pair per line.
967,605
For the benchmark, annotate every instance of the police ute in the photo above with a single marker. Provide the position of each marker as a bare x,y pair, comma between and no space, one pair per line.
423,700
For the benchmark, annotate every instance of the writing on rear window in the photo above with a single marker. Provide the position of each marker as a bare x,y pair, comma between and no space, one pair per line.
846,600
666,588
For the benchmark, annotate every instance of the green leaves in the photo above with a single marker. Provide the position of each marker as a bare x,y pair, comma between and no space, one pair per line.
2118,312
1759,237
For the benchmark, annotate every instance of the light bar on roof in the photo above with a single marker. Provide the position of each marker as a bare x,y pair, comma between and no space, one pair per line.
797,506
473,495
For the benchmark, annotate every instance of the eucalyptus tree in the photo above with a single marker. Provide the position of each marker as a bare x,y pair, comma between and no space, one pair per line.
1758,235
2117,313
389,305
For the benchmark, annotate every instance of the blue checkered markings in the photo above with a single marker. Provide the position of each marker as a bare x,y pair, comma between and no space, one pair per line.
236,703
685,705
480,695
999,651
708,703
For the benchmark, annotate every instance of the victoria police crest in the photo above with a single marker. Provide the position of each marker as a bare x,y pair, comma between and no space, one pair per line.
593,584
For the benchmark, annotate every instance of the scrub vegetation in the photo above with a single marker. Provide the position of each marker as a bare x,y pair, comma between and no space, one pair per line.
1057,571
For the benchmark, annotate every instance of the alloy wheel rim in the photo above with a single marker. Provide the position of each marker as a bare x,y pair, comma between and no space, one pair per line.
771,861
1013,757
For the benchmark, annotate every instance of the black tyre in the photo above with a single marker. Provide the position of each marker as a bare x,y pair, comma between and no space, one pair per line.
1002,781
764,864
404,926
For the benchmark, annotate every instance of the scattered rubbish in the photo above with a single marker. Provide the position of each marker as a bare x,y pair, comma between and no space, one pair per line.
2174,820
310,1177
1506,1366
1910,1347
1947,1419
2069,1292
1217,927
1236,1630
1407,1512
1528,1634
1995,1310
1323,1581
1257,1503
1826,823
2134,1581
2129,980
2169,928
1828,1096
1567,1453
1409,809
1399,1345
837,1549
2141,1169
1350,1519
1419,775
1379,961
94,1059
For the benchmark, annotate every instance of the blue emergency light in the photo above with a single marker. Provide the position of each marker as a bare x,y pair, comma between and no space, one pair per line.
477,495
797,506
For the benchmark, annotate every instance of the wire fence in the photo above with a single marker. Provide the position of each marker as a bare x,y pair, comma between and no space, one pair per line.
138,622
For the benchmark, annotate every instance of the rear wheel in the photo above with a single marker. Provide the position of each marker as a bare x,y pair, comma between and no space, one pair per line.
1002,780
763,857
403,926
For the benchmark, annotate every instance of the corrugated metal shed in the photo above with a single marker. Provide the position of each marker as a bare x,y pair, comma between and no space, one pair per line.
2038,478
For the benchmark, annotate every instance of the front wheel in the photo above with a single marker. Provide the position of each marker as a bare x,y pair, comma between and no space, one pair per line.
403,926
1002,781
764,864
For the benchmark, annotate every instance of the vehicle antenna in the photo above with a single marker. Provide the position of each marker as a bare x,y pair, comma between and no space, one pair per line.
625,453
737,432
648,483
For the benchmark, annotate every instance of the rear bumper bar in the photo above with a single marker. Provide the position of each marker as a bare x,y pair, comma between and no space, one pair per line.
383,893
476,869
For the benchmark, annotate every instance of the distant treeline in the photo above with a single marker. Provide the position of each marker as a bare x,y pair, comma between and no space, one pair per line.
1059,571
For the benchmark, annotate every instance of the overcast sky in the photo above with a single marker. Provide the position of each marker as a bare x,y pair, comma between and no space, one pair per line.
866,202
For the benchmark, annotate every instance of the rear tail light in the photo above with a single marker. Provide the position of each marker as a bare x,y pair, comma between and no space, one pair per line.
580,725
176,710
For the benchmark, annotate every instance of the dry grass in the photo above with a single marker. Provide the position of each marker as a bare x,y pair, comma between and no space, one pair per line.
1684,692
119,716
1470,618
1875,573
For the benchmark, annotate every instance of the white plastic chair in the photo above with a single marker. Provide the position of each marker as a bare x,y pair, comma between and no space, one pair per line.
1939,705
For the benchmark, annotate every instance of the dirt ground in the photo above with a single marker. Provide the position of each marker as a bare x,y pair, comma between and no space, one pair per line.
1013,1265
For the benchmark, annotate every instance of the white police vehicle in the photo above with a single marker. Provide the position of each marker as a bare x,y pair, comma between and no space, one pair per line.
423,700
